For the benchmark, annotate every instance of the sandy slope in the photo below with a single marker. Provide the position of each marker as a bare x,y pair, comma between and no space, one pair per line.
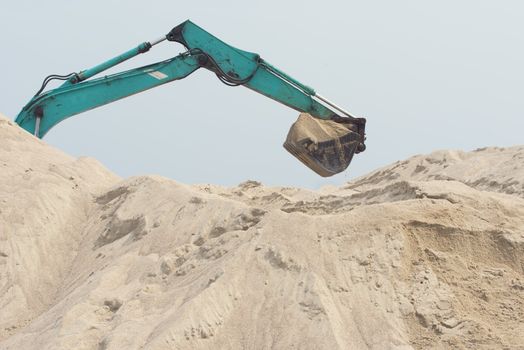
428,252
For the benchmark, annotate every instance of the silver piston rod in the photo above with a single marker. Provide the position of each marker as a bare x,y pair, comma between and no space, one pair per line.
328,102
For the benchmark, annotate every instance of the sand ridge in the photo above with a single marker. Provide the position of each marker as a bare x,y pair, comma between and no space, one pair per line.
425,253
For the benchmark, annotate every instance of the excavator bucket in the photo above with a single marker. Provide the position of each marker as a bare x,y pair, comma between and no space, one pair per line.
325,146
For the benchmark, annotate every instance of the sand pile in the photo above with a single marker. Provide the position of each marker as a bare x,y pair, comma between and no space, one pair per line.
428,252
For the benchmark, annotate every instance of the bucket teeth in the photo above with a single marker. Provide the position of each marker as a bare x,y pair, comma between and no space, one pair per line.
326,147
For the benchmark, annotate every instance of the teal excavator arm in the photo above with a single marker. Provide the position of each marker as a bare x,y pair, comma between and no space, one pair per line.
232,66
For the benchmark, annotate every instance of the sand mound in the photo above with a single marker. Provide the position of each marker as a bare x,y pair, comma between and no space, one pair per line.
428,252
490,169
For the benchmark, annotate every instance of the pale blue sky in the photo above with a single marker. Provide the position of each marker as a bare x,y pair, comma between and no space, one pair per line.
427,74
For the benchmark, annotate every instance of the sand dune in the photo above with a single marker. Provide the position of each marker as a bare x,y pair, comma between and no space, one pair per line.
425,253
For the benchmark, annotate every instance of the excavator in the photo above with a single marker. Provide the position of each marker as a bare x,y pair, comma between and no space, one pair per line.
325,137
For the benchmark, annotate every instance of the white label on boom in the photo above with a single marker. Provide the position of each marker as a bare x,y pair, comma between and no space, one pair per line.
158,75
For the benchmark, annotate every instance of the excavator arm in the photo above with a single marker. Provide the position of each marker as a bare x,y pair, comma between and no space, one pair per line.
50,108
325,137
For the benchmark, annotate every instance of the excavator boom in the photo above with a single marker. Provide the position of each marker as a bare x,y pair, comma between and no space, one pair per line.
325,137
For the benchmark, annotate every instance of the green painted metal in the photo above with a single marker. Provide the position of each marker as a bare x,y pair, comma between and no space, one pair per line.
64,102
236,63
232,65
283,75
271,85
248,68
142,48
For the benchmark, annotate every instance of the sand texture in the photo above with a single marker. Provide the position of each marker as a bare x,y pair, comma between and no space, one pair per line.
425,253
